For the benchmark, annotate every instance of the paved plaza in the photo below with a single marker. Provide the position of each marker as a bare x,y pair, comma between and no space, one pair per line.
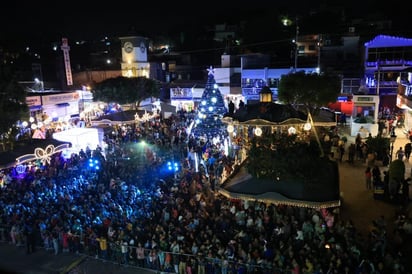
359,203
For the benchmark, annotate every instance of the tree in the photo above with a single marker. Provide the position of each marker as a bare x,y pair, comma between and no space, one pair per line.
211,110
308,90
125,90
12,100
284,156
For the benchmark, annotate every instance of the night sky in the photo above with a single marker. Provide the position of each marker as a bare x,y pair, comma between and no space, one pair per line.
81,18
93,18
23,22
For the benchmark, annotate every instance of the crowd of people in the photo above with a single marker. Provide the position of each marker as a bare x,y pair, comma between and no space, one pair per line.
179,222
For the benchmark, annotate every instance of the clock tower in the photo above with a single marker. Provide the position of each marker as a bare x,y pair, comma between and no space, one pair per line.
134,56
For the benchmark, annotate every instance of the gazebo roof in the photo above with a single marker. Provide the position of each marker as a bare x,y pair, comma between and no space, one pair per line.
269,114
322,192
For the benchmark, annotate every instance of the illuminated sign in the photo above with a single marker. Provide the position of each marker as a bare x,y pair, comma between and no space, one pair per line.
33,101
60,98
179,93
365,99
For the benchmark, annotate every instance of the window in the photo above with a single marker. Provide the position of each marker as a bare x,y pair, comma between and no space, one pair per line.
273,82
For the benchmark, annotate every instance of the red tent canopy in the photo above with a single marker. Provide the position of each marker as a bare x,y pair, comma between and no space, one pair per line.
344,107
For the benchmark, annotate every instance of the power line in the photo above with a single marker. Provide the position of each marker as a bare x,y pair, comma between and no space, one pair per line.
236,46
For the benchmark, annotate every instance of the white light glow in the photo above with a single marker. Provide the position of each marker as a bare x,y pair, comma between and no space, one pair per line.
307,127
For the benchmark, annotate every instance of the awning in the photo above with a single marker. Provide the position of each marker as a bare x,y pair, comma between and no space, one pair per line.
63,104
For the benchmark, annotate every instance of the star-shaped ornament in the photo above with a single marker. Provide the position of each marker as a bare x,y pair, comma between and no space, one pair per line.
211,71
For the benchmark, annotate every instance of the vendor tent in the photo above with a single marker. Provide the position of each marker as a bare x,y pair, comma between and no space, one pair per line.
80,138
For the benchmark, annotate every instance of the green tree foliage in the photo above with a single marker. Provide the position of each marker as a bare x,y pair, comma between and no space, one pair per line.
309,90
282,156
125,90
12,100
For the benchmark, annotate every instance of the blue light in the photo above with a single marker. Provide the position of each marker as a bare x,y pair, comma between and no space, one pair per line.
94,164
172,166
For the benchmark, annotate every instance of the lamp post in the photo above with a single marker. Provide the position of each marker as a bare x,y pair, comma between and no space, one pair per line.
392,140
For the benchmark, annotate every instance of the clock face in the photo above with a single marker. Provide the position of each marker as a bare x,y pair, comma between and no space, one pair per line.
142,47
128,47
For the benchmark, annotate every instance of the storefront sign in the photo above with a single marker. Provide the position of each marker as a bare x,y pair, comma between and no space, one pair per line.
365,99
181,93
60,98
32,101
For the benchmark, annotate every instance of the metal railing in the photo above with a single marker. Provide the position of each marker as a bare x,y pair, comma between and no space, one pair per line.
153,258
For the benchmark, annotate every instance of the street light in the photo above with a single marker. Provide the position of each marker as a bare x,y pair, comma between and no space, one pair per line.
39,84
287,22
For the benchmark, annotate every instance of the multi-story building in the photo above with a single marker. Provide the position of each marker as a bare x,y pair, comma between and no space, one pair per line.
386,59
239,74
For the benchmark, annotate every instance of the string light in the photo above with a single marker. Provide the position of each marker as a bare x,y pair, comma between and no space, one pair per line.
287,202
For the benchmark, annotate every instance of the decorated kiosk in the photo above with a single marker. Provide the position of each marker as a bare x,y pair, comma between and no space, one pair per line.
364,115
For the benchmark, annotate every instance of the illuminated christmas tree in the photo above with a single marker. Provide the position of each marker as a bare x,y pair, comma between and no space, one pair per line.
208,122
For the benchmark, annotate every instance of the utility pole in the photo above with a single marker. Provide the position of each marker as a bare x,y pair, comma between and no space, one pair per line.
296,45
319,50
378,84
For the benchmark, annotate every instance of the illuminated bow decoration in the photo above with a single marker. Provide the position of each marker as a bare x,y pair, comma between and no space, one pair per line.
44,154
145,117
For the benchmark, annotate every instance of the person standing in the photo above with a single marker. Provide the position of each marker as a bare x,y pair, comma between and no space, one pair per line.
231,107
368,178
103,247
29,232
376,176
341,151
351,153
400,153
241,104
408,150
